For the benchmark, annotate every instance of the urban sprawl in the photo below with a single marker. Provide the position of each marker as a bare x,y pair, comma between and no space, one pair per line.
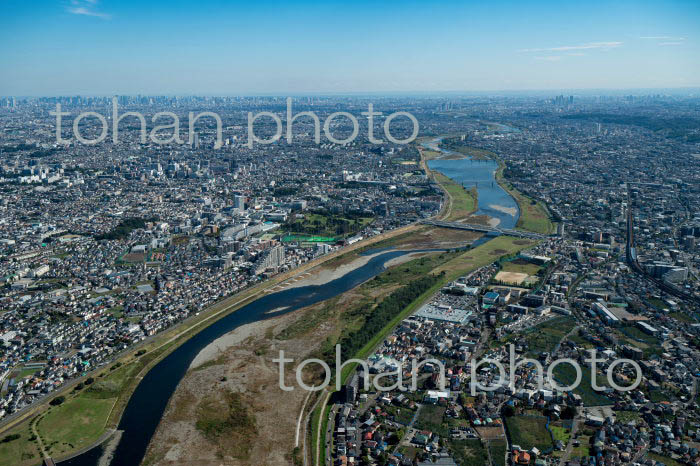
103,247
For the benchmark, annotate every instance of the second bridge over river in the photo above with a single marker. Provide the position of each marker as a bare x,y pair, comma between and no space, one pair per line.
485,229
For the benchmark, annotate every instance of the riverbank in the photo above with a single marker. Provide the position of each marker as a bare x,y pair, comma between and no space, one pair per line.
455,144
314,278
534,215
240,361
99,408
461,203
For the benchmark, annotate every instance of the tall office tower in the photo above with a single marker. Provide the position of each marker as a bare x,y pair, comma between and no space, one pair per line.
239,202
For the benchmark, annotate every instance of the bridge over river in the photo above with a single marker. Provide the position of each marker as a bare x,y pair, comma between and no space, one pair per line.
485,229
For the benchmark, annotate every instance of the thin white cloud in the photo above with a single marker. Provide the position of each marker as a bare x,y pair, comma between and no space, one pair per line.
549,58
588,46
664,38
86,8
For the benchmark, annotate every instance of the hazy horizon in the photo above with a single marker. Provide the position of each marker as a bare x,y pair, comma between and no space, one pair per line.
592,92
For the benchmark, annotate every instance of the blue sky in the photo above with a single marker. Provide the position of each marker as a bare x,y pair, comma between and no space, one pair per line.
107,47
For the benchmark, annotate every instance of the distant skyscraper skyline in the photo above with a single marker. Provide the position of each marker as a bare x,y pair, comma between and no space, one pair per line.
105,47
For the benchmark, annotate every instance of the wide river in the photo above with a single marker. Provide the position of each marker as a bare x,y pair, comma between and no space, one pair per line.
148,402
493,200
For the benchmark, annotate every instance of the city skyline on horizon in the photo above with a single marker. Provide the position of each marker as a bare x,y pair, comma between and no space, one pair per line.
690,91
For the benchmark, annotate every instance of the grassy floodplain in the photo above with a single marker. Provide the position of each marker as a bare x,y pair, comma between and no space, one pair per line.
534,215
455,144
463,202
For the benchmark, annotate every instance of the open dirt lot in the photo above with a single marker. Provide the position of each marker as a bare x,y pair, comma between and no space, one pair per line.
511,277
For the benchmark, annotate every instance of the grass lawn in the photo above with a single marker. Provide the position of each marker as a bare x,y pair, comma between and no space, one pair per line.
583,450
533,217
682,317
521,266
431,154
545,336
565,374
409,452
528,432
484,255
469,452
580,341
75,423
560,433
473,152
21,451
319,416
627,416
80,419
116,311
326,225
411,270
26,372
400,414
636,334
657,396
430,418
656,302
497,448
324,428
463,202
